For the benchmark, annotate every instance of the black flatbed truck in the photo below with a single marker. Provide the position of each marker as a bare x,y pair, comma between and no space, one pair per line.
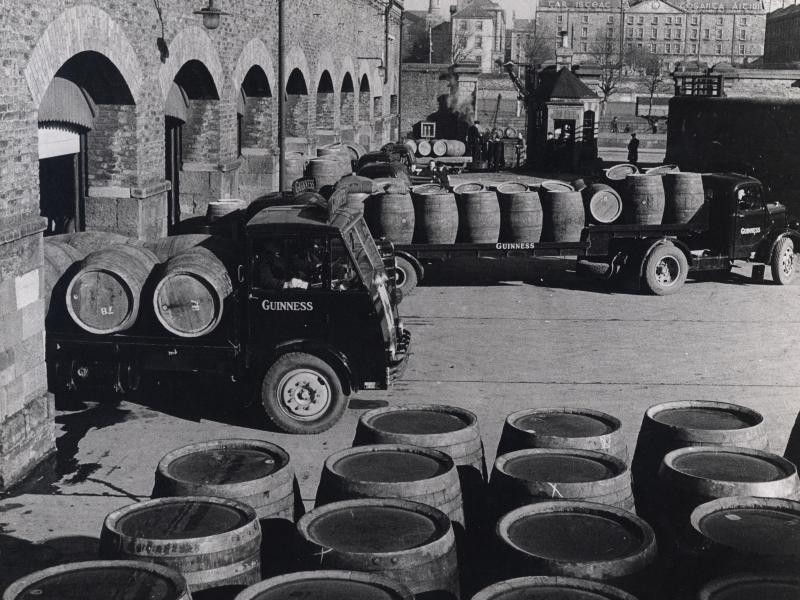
737,223
303,351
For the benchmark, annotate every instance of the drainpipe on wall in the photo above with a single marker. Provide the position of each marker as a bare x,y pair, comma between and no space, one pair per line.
389,7
281,100
400,77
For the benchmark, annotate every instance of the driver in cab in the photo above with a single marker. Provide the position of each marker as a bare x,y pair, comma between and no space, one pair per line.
301,270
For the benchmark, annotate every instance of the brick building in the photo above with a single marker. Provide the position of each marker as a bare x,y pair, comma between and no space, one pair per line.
132,116
479,34
782,37
683,30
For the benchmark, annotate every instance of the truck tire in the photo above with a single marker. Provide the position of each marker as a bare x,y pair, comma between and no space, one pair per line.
301,393
665,270
783,262
406,276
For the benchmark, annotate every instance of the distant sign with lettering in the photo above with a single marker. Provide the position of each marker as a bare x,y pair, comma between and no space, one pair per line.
687,5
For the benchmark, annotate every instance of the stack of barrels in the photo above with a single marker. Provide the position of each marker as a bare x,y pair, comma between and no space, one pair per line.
436,148
408,511
106,285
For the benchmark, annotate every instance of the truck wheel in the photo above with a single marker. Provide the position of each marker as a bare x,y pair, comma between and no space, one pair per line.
405,276
783,262
666,270
301,393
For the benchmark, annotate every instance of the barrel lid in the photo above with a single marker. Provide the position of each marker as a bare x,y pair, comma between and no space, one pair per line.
373,525
327,585
428,188
729,464
749,525
419,419
222,462
464,188
384,463
131,580
620,172
577,532
564,422
559,466
662,170
551,588
556,186
702,415
188,517
748,587
512,187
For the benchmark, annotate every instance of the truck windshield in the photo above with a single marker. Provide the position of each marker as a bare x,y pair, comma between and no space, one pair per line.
364,250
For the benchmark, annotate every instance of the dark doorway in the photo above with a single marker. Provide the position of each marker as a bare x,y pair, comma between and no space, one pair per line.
173,160
62,190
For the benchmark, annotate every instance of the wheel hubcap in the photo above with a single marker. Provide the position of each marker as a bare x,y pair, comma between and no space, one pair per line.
787,261
667,271
399,277
304,394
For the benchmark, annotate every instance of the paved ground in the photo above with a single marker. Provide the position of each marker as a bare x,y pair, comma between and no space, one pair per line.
490,341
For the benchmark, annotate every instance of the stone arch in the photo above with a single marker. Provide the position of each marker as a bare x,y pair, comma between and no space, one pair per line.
347,106
296,59
192,43
325,103
255,52
80,29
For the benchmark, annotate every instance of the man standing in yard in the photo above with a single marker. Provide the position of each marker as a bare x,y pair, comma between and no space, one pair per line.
474,141
633,150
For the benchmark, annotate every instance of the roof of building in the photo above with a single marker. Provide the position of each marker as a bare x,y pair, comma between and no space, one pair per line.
562,84
478,9
794,9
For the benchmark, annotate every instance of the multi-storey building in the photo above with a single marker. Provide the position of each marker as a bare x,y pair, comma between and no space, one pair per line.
683,30
782,38
479,34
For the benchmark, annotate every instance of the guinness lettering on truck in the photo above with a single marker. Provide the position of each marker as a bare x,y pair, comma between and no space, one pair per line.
311,320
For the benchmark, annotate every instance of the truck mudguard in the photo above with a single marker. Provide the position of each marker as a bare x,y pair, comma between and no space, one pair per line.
649,245
768,245
414,262
327,352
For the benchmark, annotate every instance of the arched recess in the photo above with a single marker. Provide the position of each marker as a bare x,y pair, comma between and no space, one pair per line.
258,110
87,143
297,105
394,111
365,130
325,103
347,108
191,44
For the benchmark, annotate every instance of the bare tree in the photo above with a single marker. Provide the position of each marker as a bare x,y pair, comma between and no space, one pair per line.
461,48
607,57
650,67
538,48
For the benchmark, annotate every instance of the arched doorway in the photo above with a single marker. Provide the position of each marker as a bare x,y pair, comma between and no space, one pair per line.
364,110
191,124
257,134
87,127
347,109
325,109
297,105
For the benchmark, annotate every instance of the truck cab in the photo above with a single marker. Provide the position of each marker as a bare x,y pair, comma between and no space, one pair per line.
320,312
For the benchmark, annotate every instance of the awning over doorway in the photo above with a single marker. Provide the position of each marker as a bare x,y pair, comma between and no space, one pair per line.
58,142
65,102
177,105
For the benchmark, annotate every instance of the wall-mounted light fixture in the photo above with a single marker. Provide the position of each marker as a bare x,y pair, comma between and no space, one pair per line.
211,15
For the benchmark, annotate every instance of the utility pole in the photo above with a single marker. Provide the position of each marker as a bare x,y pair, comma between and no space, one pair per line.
281,100
430,44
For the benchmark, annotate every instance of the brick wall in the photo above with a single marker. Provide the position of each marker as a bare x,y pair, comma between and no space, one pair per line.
127,172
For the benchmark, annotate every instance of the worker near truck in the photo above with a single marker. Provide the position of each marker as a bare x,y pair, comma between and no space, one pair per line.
474,140
633,150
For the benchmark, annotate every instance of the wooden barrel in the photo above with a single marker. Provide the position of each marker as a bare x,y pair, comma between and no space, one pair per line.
424,148
551,588
603,204
101,579
427,188
684,198
620,172
190,293
439,148
326,171
59,261
222,208
520,213
92,241
582,429
578,539
396,171
166,248
479,217
578,185
390,214
551,185
358,190
510,132
328,585
563,216
294,166
447,429
544,474
643,200
212,542
339,154
411,145
745,587
436,217
744,534
254,472
104,294
792,452
680,424
393,471
456,148
355,150
662,170
408,542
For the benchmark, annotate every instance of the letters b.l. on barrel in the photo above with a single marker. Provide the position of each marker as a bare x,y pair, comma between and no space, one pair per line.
212,542
104,295
190,294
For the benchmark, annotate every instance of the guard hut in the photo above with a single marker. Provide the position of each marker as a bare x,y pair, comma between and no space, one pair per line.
563,128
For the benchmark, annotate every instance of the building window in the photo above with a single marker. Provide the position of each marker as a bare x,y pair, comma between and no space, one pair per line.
706,34
479,26
694,48
719,21
462,25
560,19
640,32
741,48
654,33
742,34
667,49
693,34
640,20
744,21
610,19
655,20
694,20
629,46
630,19
653,48
584,47
609,32
585,19
478,42
667,34
629,32
639,45
678,34
719,34
718,49
584,32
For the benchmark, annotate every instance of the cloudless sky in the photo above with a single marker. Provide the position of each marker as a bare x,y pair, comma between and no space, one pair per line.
523,8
